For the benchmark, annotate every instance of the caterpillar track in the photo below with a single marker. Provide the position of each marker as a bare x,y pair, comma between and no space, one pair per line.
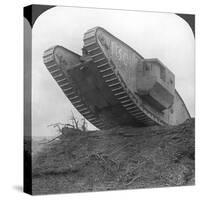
69,88
103,84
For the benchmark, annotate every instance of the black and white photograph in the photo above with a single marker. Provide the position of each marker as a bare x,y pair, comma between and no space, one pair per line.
109,99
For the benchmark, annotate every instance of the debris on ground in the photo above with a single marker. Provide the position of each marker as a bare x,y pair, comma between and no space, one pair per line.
118,158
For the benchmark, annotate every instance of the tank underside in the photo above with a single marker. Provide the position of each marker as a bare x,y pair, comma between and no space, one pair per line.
96,89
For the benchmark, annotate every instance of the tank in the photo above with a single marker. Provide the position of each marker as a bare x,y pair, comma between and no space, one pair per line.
111,84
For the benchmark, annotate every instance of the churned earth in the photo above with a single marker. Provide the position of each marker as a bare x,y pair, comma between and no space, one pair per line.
119,158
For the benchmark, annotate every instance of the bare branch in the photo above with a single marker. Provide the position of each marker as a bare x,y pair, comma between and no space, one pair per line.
84,125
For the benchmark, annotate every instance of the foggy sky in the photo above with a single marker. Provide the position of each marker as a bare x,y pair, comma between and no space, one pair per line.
154,35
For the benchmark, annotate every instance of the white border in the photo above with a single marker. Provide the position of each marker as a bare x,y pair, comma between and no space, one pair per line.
12,97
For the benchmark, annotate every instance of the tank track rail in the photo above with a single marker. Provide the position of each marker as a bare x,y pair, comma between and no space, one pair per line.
69,89
115,82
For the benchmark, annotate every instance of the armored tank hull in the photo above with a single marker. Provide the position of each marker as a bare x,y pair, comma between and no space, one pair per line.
113,85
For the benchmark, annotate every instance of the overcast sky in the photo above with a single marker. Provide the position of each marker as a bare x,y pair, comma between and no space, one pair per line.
154,35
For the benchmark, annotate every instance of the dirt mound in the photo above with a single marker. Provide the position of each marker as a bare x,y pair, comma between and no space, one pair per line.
119,158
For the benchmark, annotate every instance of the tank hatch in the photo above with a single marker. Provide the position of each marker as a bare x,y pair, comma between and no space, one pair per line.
155,84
